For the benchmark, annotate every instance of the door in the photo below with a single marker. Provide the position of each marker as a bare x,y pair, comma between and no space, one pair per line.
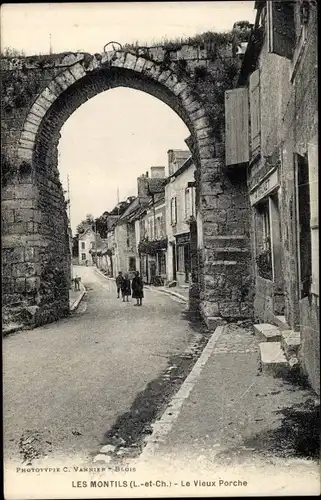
174,262
187,262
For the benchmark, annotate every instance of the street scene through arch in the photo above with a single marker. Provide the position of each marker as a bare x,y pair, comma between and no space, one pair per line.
174,330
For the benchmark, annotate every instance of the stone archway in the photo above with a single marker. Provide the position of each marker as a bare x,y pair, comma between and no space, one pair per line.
40,287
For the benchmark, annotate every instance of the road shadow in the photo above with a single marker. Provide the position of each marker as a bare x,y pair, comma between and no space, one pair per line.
298,436
130,428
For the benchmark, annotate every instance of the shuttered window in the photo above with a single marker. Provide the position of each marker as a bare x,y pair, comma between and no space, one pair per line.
281,28
254,87
236,126
314,213
173,211
304,224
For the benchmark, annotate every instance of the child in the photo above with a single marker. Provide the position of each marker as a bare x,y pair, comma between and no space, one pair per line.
125,288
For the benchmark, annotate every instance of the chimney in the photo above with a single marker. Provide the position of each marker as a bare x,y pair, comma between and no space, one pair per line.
157,172
142,186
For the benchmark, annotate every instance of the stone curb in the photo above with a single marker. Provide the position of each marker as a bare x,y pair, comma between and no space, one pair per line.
103,275
76,302
162,426
13,329
168,292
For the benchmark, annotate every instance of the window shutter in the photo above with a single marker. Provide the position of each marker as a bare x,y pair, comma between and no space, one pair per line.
236,126
314,213
280,28
255,112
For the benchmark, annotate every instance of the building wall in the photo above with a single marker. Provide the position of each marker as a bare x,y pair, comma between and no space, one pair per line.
288,111
89,239
125,247
176,188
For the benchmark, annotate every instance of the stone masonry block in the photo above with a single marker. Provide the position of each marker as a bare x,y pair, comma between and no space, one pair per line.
140,63
32,284
204,132
229,309
38,110
49,95
77,71
155,71
193,106
130,61
31,254
8,216
206,153
35,119
199,113
179,88
28,136
13,255
26,143
26,269
119,61
172,81
201,123
16,228
20,285
32,227
164,76
24,191
210,308
30,127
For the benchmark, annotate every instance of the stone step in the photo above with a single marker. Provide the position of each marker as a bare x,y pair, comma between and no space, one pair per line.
281,323
290,342
267,332
272,358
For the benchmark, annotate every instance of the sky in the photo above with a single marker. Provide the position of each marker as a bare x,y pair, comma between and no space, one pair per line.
119,134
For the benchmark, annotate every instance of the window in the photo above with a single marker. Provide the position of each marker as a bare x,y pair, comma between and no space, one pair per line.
263,241
180,259
92,244
314,213
188,203
173,211
281,28
304,218
159,226
132,264
161,263
83,256
83,245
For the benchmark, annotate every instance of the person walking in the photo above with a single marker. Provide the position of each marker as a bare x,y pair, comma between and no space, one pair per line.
119,281
125,288
137,288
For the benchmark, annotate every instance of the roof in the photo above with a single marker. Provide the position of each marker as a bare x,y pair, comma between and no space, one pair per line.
189,162
180,153
87,230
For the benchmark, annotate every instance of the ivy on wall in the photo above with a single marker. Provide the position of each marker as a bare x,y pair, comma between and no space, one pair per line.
152,247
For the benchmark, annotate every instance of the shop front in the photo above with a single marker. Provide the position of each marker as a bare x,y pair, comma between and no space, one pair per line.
182,258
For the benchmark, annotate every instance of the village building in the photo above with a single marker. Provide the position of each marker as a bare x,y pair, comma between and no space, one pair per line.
86,243
180,211
151,228
271,138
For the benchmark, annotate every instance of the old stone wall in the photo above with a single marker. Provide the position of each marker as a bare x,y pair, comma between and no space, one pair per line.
288,106
40,93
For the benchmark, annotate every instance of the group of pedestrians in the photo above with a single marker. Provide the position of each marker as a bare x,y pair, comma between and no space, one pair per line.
127,289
